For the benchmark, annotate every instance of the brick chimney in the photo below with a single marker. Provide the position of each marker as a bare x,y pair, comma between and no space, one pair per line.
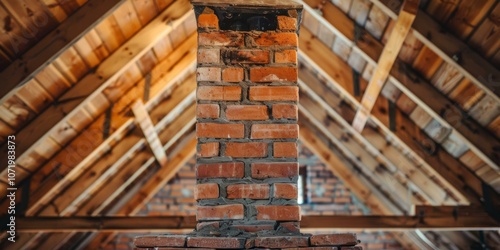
247,95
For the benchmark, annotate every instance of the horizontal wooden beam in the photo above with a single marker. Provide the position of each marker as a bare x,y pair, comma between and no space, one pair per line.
55,43
385,62
330,222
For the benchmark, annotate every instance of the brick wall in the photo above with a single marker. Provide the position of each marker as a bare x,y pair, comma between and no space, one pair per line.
177,198
247,117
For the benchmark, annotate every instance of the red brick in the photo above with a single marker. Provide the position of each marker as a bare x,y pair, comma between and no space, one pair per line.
217,130
160,241
273,74
207,111
310,248
351,248
285,191
232,75
285,149
211,74
287,23
219,93
222,38
274,93
250,191
291,226
285,111
209,21
254,228
209,149
341,239
210,224
274,131
222,212
216,242
285,56
248,56
278,39
246,149
281,242
206,191
208,56
278,213
220,170
247,112
275,170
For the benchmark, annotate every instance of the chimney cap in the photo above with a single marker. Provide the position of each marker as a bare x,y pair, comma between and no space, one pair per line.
286,4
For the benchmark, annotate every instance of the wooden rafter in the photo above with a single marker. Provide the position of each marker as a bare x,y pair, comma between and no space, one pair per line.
385,62
55,43
478,139
93,85
447,46
147,127
434,222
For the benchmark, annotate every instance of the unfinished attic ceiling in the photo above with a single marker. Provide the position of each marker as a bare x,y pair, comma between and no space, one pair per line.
71,71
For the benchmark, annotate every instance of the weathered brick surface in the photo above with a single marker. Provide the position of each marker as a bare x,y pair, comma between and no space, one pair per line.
293,226
207,111
208,21
278,213
247,112
276,39
216,242
341,239
160,241
246,149
275,170
206,191
248,56
221,212
281,241
285,150
220,170
209,149
219,93
273,74
222,38
285,190
212,74
287,23
233,75
250,191
285,56
217,130
274,93
275,131
285,111
209,56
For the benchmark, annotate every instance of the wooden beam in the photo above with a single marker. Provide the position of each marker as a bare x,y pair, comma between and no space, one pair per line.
478,139
94,86
385,62
144,120
436,222
447,46
54,44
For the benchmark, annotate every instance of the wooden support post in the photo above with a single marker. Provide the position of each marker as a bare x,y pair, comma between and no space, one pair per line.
385,62
148,129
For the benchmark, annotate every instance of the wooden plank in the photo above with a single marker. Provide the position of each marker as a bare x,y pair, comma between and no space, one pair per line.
92,85
54,43
446,78
34,95
146,125
468,15
470,64
436,222
377,21
441,10
466,94
486,37
332,73
485,110
410,50
427,62
71,65
385,62
127,19
344,5
359,11
146,10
